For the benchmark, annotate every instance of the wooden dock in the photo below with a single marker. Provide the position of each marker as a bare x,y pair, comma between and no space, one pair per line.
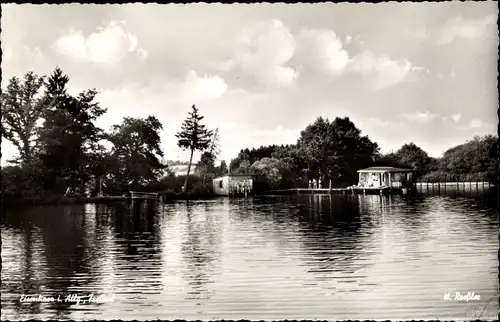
349,190
136,195
418,186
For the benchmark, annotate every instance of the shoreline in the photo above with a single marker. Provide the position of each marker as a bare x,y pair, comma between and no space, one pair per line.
95,200
189,196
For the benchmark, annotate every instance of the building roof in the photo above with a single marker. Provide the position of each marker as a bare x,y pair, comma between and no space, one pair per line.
180,167
234,175
385,169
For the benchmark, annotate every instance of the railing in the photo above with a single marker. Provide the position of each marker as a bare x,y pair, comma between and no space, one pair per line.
453,185
464,182
143,195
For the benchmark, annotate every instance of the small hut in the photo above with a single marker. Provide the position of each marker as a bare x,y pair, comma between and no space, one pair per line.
382,177
233,185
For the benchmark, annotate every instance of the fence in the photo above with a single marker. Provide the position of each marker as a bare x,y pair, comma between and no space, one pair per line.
458,186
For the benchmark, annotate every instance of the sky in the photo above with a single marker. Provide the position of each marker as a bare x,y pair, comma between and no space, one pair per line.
402,72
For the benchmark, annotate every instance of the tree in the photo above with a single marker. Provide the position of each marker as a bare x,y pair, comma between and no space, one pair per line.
478,156
136,147
244,168
206,164
335,150
223,168
251,156
414,157
409,156
193,136
295,161
68,133
270,173
208,158
102,165
22,110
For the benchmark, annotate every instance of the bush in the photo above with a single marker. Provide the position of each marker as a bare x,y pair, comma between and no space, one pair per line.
169,194
202,190
199,191
181,195
441,176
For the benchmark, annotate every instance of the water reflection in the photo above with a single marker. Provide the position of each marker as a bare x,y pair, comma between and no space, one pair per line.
137,251
308,256
199,251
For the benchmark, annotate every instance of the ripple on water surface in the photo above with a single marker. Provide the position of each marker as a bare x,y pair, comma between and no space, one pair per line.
300,257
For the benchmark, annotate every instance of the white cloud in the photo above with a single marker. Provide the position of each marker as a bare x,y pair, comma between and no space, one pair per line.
263,50
418,116
387,124
267,50
208,87
322,49
109,45
456,117
34,54
460,27
474,124
172,95
142,54
224,66
381,72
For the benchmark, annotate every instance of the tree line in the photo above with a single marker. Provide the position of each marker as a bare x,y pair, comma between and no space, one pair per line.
61,149
334,150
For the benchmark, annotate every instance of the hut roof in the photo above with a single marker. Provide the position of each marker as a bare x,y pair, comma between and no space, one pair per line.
384,169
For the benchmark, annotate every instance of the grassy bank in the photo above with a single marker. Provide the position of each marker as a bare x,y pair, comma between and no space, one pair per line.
168,195
169,190
62,200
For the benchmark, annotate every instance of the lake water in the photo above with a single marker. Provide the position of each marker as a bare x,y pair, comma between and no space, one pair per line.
289,257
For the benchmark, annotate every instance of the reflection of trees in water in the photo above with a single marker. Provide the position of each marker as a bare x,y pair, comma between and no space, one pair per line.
200,249
66,255
327,227
22,272
269,221
323,212
331,237
137,237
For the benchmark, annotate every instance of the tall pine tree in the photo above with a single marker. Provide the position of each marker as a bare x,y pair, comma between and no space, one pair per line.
68,135
193,136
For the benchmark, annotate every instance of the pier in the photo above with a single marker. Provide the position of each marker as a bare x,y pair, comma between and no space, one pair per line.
136,195
348,190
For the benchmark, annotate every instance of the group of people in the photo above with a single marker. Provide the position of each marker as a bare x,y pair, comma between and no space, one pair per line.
241,187
313,184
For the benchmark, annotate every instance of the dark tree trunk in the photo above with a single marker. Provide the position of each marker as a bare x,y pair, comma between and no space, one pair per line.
189,170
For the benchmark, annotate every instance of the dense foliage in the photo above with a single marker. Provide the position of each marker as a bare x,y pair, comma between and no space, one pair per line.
474,160
22,110
334,151
61,149
136,152
330,150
